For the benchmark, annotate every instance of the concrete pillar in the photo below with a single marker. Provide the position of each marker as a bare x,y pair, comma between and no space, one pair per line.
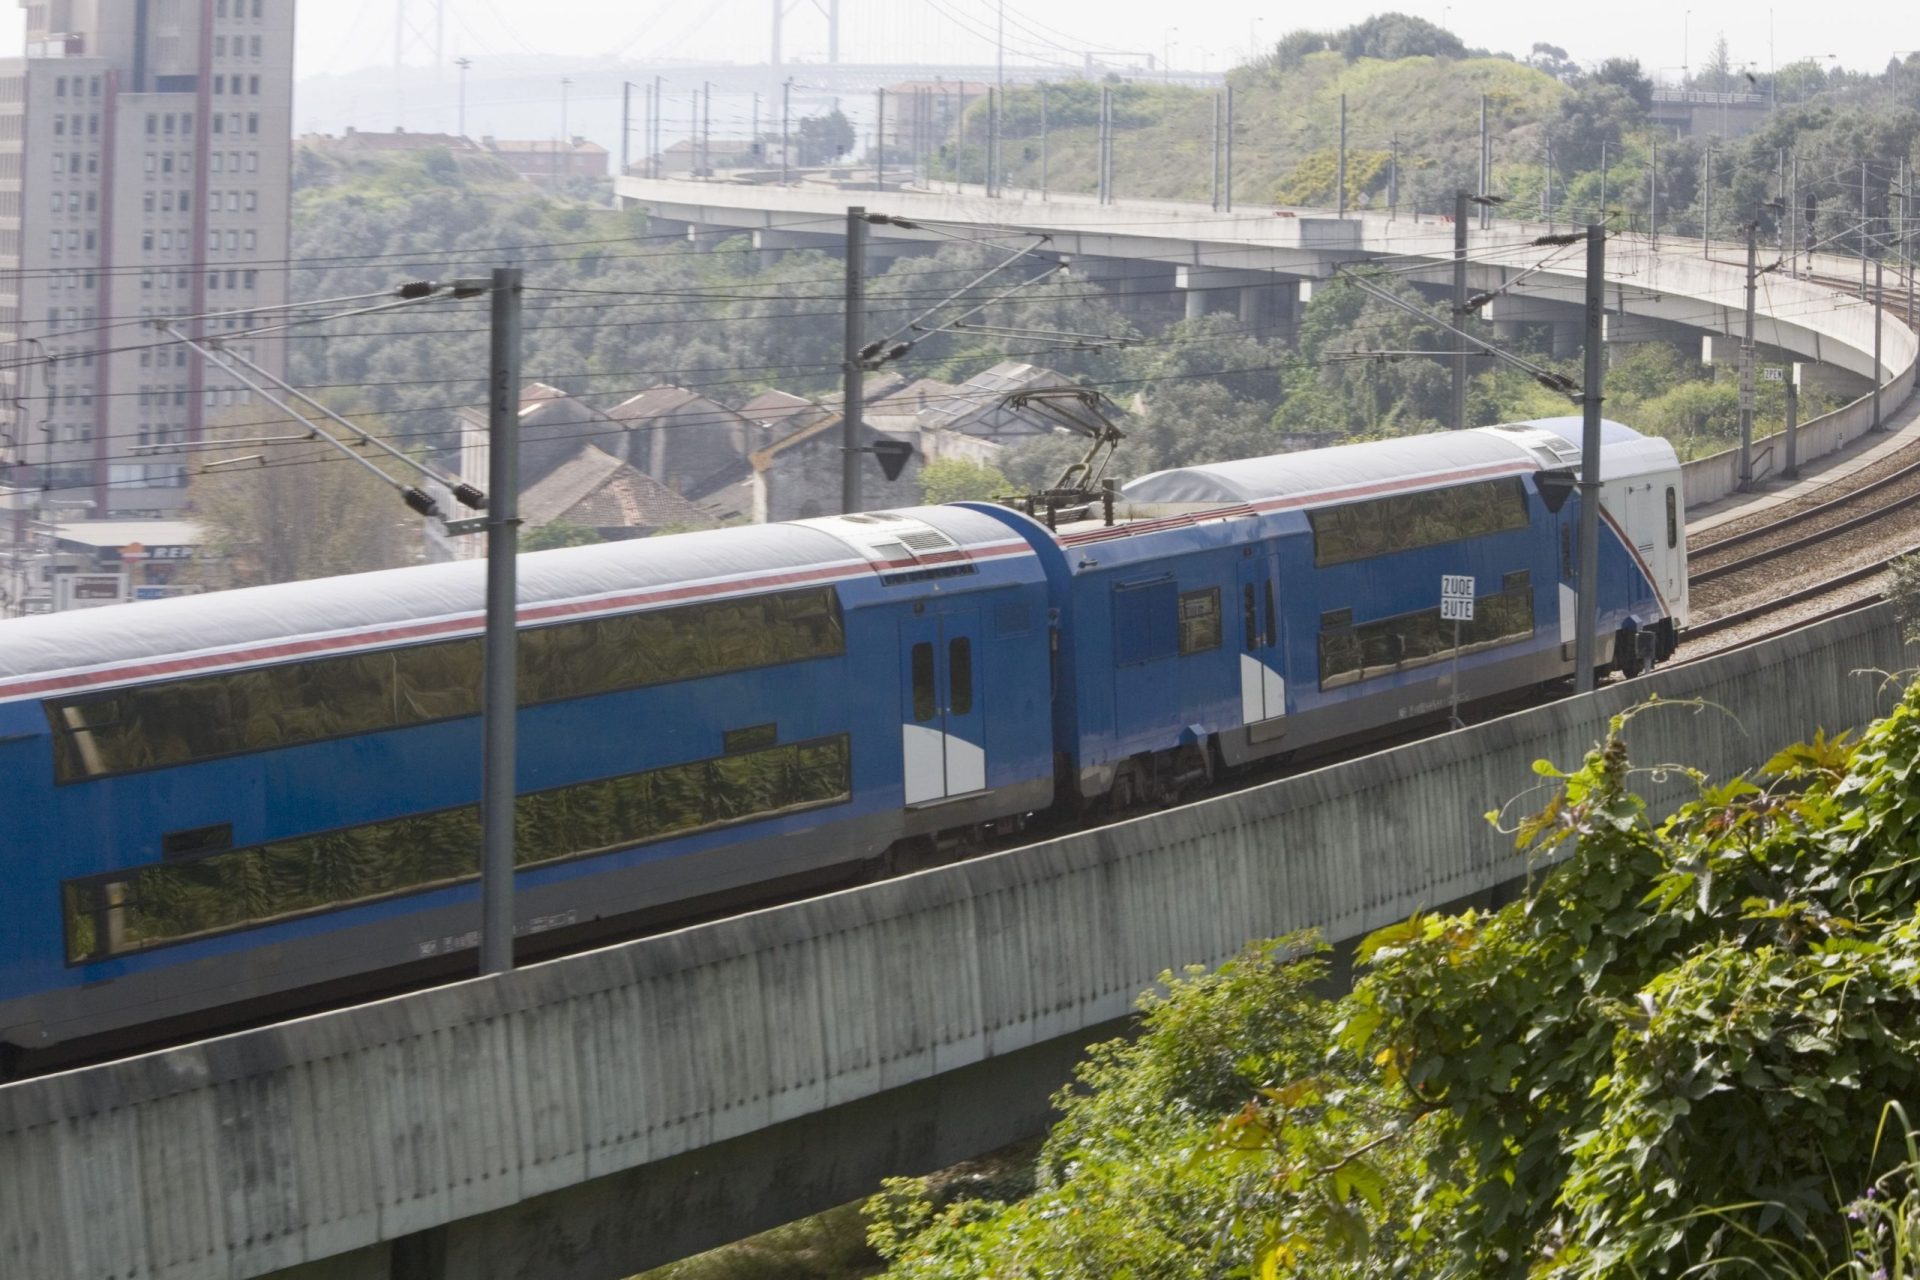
1253,305
1196,303
1569,339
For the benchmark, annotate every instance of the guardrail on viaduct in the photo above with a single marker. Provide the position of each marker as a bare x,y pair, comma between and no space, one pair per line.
342,1133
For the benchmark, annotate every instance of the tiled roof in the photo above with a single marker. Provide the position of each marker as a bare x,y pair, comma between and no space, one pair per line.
597,490
655,401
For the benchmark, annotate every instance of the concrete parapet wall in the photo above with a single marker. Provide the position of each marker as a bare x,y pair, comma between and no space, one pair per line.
1715,476
291,1144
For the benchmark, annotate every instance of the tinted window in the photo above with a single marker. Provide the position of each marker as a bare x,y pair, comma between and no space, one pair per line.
1351,653
1405,521
167,902
150,726
1673,518
960,675
924,705
1200,620
1249,626
1146,622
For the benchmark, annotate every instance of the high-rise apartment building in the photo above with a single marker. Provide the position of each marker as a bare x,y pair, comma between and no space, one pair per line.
145,148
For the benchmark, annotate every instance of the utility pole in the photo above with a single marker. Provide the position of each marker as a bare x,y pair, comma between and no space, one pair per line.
1793,422
500,708
463,64
1653,190
1584,645
706,129
1486,163
1106,146
853,369
880,140
1793,214
1043,141
786,127
563,158
654,160
1879,314
1459,402
1746,360
1341,195
626,125
992,165
1216,153
1603,180
1227,187
1706,197
1864,222
1393,178
1546,176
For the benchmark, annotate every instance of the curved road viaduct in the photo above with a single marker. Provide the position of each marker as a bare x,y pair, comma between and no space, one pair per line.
1260,262
594,1115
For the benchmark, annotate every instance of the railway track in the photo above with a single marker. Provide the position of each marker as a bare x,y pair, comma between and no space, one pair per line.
1778,568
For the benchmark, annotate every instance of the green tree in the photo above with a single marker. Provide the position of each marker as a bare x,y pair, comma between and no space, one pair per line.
297,508
824,137
958,480
558,533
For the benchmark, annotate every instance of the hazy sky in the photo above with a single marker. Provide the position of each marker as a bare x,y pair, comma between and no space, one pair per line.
341,35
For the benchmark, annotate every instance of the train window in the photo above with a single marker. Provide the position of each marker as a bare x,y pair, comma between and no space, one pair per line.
1405,521
751,738
1200,620
154,726
960,675
167,902
1146,621
1349,653
1673,518
1250,627
924,704
196,842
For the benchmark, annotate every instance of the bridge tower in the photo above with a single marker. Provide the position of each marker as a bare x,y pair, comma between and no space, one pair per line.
419,35
775,63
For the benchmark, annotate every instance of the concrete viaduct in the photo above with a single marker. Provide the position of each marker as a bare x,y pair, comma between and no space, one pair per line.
595,1115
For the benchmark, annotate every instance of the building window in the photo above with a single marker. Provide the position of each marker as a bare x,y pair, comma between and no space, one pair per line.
253,122
253,45
253,201
253,161
220,46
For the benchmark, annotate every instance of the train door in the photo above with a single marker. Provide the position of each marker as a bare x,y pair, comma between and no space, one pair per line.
943,734
1263,684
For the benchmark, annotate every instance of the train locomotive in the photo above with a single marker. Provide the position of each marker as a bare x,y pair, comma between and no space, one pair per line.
247,802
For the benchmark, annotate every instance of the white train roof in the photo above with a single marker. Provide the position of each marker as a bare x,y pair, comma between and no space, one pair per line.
207,632
1350,471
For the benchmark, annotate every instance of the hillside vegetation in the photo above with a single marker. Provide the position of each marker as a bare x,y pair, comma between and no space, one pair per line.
1690,1049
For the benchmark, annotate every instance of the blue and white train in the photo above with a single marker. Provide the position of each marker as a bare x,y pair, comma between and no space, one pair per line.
248,801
